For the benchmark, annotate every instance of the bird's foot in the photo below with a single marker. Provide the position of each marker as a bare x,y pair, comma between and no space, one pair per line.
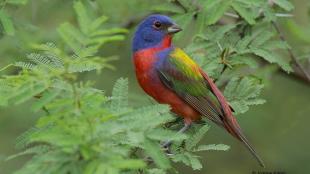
167,147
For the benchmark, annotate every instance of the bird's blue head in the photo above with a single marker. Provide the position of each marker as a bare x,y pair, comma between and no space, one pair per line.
154,30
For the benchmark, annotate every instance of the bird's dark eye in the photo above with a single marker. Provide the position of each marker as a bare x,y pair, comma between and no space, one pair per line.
157,24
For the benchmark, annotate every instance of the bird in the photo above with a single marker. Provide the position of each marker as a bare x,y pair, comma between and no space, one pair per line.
170,76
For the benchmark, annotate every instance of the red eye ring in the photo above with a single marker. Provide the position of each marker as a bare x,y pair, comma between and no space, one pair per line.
157,24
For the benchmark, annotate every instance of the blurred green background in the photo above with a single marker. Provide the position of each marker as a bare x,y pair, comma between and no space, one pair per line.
278,129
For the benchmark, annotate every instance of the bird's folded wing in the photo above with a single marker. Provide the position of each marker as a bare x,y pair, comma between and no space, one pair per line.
181,74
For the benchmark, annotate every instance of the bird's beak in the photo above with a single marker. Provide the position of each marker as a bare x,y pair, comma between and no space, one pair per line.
174,29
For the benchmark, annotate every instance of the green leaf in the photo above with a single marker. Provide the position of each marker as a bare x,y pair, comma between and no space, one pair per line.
244,13
220,32
104,168
6,23
97,23
248,60
163,135
153,150
275,44
222,147
24,65
149,117
192,141
82,16
217,11
55,159
72,37
156,171
271,57
110,31
188,159
285,4
243,43
169,7
45,99
45,60
87,64
195,163
120,95
58,137
27,92
32,150
261,39
102,40
23,140
243,92
129,164
269,13
91,167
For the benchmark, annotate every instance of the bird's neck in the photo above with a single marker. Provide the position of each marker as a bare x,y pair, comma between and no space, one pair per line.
147,53
144,59
139,44
166,42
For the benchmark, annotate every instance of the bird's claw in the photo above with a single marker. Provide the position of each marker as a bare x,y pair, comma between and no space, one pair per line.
167,148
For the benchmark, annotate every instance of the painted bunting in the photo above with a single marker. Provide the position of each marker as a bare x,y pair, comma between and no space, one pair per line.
171,77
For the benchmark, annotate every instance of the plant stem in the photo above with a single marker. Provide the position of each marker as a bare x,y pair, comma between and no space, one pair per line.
290,51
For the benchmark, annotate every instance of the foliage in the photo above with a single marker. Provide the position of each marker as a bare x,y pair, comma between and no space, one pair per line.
82,129
241,93
238,42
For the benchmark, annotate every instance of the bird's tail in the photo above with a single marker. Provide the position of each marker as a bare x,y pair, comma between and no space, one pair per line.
235,131
228,120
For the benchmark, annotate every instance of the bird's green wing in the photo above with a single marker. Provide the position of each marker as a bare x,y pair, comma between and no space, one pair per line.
182,75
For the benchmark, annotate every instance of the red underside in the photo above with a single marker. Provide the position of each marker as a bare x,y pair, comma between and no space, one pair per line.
144,61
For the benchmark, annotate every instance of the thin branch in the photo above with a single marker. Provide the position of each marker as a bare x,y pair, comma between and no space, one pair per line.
233,15
304,74
284,15
293,57
6,67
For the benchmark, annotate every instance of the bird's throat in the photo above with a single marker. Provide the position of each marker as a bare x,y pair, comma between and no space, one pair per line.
166,42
